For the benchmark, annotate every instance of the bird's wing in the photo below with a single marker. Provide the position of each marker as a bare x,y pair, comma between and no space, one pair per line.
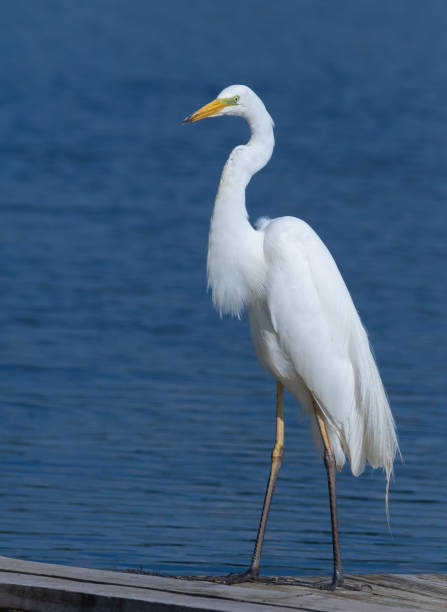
313,315
320,332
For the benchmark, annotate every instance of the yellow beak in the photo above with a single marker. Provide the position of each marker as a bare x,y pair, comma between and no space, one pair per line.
210,109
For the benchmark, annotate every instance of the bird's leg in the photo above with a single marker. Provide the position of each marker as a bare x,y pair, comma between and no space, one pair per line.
329,462
277,455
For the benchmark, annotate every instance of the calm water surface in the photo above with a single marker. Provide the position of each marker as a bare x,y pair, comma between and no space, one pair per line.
136,426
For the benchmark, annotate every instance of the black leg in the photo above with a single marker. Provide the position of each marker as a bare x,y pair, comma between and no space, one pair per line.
329,462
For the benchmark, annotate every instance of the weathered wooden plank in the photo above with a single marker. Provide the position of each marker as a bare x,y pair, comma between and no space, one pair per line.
42,593
35,586
412,592
152,585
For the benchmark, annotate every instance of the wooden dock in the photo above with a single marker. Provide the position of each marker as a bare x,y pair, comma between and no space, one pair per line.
41,587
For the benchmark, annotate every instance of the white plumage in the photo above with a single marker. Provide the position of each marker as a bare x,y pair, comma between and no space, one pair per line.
311,339
304,326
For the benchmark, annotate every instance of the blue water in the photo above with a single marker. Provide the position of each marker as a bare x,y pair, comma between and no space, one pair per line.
136,426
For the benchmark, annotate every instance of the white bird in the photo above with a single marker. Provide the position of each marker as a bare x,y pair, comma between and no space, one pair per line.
304,326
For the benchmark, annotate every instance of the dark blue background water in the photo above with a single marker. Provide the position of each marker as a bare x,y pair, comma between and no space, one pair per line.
136,426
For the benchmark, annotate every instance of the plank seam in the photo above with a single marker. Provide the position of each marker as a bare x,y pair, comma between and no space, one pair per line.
158,590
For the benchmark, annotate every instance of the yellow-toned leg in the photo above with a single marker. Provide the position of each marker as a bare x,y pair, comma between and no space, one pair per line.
329,462
277,455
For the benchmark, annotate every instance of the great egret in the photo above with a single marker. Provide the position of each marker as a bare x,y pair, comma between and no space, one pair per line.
304,326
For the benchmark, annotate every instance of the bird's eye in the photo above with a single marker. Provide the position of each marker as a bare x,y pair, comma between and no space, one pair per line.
236,99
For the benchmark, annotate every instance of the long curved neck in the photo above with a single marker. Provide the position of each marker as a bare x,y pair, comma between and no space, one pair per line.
235,247
245,160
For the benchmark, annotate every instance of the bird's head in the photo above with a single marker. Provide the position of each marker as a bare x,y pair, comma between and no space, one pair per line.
237,100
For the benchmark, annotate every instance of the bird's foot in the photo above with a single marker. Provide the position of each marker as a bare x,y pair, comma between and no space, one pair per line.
252,576
331,585
328,585
338,581
238,578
